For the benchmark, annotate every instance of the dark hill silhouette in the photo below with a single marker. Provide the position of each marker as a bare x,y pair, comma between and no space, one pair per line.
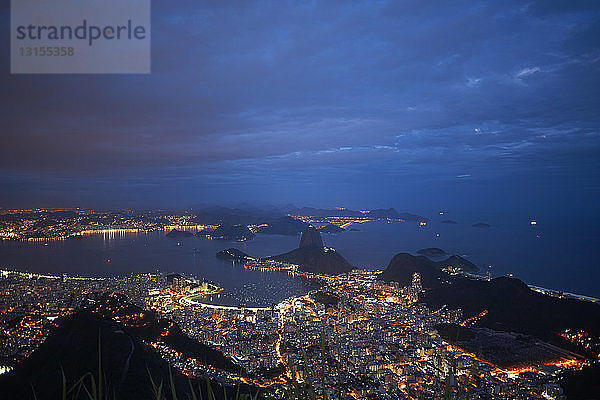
232,232
458,262
582,385
319,212
412,217
283,226
151,328
74,348
506,350
126,359
311,238
375,214
232,254
331,228
391,213
247,215
383,213
404,265
316,260
513,306
311,256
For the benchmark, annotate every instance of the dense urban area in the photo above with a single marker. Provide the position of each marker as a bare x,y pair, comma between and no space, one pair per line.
356,336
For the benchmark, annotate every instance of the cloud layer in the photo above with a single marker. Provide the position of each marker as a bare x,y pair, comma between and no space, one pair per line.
385,102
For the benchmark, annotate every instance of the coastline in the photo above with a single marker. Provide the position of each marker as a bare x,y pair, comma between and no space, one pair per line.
564,295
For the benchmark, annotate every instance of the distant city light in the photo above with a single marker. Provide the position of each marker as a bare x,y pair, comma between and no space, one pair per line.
4,369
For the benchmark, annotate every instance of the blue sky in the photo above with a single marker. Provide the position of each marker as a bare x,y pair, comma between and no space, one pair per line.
416,105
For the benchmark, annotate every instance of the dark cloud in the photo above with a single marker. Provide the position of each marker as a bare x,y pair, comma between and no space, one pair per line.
287,98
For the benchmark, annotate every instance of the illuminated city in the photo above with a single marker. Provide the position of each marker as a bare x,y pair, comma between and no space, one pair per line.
300,200
356,336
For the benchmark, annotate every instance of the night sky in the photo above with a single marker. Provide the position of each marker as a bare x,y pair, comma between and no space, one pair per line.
420,106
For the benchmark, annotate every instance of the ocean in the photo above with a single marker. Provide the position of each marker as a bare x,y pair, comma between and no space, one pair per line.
551,254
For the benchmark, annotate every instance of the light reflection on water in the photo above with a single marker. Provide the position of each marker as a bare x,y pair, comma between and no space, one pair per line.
124,252
565,257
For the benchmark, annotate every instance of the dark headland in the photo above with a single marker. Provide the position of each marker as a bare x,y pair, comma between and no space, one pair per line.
403,265
508,304
312,256
233,254
331,228
283,226
176,234
232,232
